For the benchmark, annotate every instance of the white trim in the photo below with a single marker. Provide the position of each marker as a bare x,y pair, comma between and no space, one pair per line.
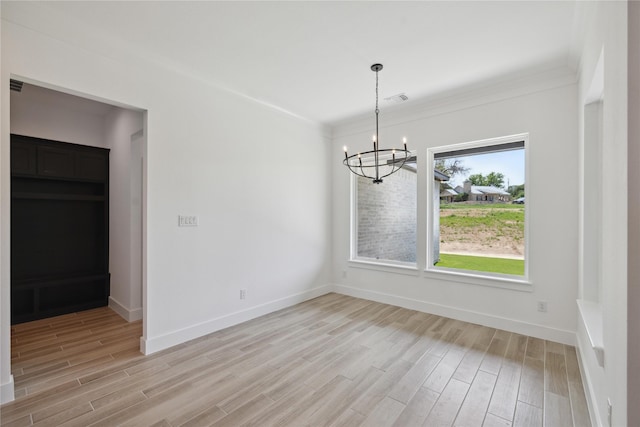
353,216
125,313
591,317
595,93
514,283
526,279
481,143
589,387
410,269
511,325
155,344
7,391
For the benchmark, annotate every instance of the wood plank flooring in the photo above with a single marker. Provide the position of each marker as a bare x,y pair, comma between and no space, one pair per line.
331,361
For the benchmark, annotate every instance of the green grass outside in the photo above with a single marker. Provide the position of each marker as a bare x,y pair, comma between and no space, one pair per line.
477,263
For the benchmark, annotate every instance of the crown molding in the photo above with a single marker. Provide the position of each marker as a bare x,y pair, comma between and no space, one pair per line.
462,98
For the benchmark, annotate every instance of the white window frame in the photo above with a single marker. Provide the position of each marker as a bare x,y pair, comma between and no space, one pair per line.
471,276
383,264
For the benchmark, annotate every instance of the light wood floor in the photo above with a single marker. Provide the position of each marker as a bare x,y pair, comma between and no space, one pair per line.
334,360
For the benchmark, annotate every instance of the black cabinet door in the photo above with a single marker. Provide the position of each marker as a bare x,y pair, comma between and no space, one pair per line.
93,166
55,162
23,158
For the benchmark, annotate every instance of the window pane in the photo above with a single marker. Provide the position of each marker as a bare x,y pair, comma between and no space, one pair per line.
481,215
386,217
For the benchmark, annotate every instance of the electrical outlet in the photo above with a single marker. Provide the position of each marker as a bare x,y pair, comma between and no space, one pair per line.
609,411
187,221
542,306
243,294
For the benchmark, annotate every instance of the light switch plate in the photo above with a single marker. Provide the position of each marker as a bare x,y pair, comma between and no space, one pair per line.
187,221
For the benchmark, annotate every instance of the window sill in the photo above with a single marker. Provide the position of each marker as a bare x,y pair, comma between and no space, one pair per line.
477,278
591,314
389,267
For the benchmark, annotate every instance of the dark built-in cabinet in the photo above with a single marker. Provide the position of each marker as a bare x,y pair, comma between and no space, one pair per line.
59,228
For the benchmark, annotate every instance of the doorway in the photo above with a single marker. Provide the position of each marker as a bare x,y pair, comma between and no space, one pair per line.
39,112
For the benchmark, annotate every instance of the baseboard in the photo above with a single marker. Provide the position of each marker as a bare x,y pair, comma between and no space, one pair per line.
511,325
7,391
155,344
125,313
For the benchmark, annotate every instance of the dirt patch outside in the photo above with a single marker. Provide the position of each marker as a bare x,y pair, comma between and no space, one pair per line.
482,231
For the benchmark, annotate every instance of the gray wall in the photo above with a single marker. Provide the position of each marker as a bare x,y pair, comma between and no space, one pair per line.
633,298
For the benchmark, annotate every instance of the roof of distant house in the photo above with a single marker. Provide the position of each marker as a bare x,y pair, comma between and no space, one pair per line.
448,192
484,189
487,189
440,176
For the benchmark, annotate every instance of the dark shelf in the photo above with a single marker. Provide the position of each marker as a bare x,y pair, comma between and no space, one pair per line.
30,315
31,283
45,196
56,178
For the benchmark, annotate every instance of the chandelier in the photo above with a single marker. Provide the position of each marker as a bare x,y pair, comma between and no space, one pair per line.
377,163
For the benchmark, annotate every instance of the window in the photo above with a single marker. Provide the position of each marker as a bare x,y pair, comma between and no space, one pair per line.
590,274
385,218
477,224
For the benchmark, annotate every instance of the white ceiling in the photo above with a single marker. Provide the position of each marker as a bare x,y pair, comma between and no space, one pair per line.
312,59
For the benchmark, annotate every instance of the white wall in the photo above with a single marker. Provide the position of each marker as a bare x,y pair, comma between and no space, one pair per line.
605,26
257,178
545,107
36,112
126,289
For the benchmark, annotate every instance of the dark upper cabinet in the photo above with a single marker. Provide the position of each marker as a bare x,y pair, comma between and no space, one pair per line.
43,158
56,162
23,158
89,165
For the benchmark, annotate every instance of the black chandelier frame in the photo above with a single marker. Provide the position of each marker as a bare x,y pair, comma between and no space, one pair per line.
395,158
